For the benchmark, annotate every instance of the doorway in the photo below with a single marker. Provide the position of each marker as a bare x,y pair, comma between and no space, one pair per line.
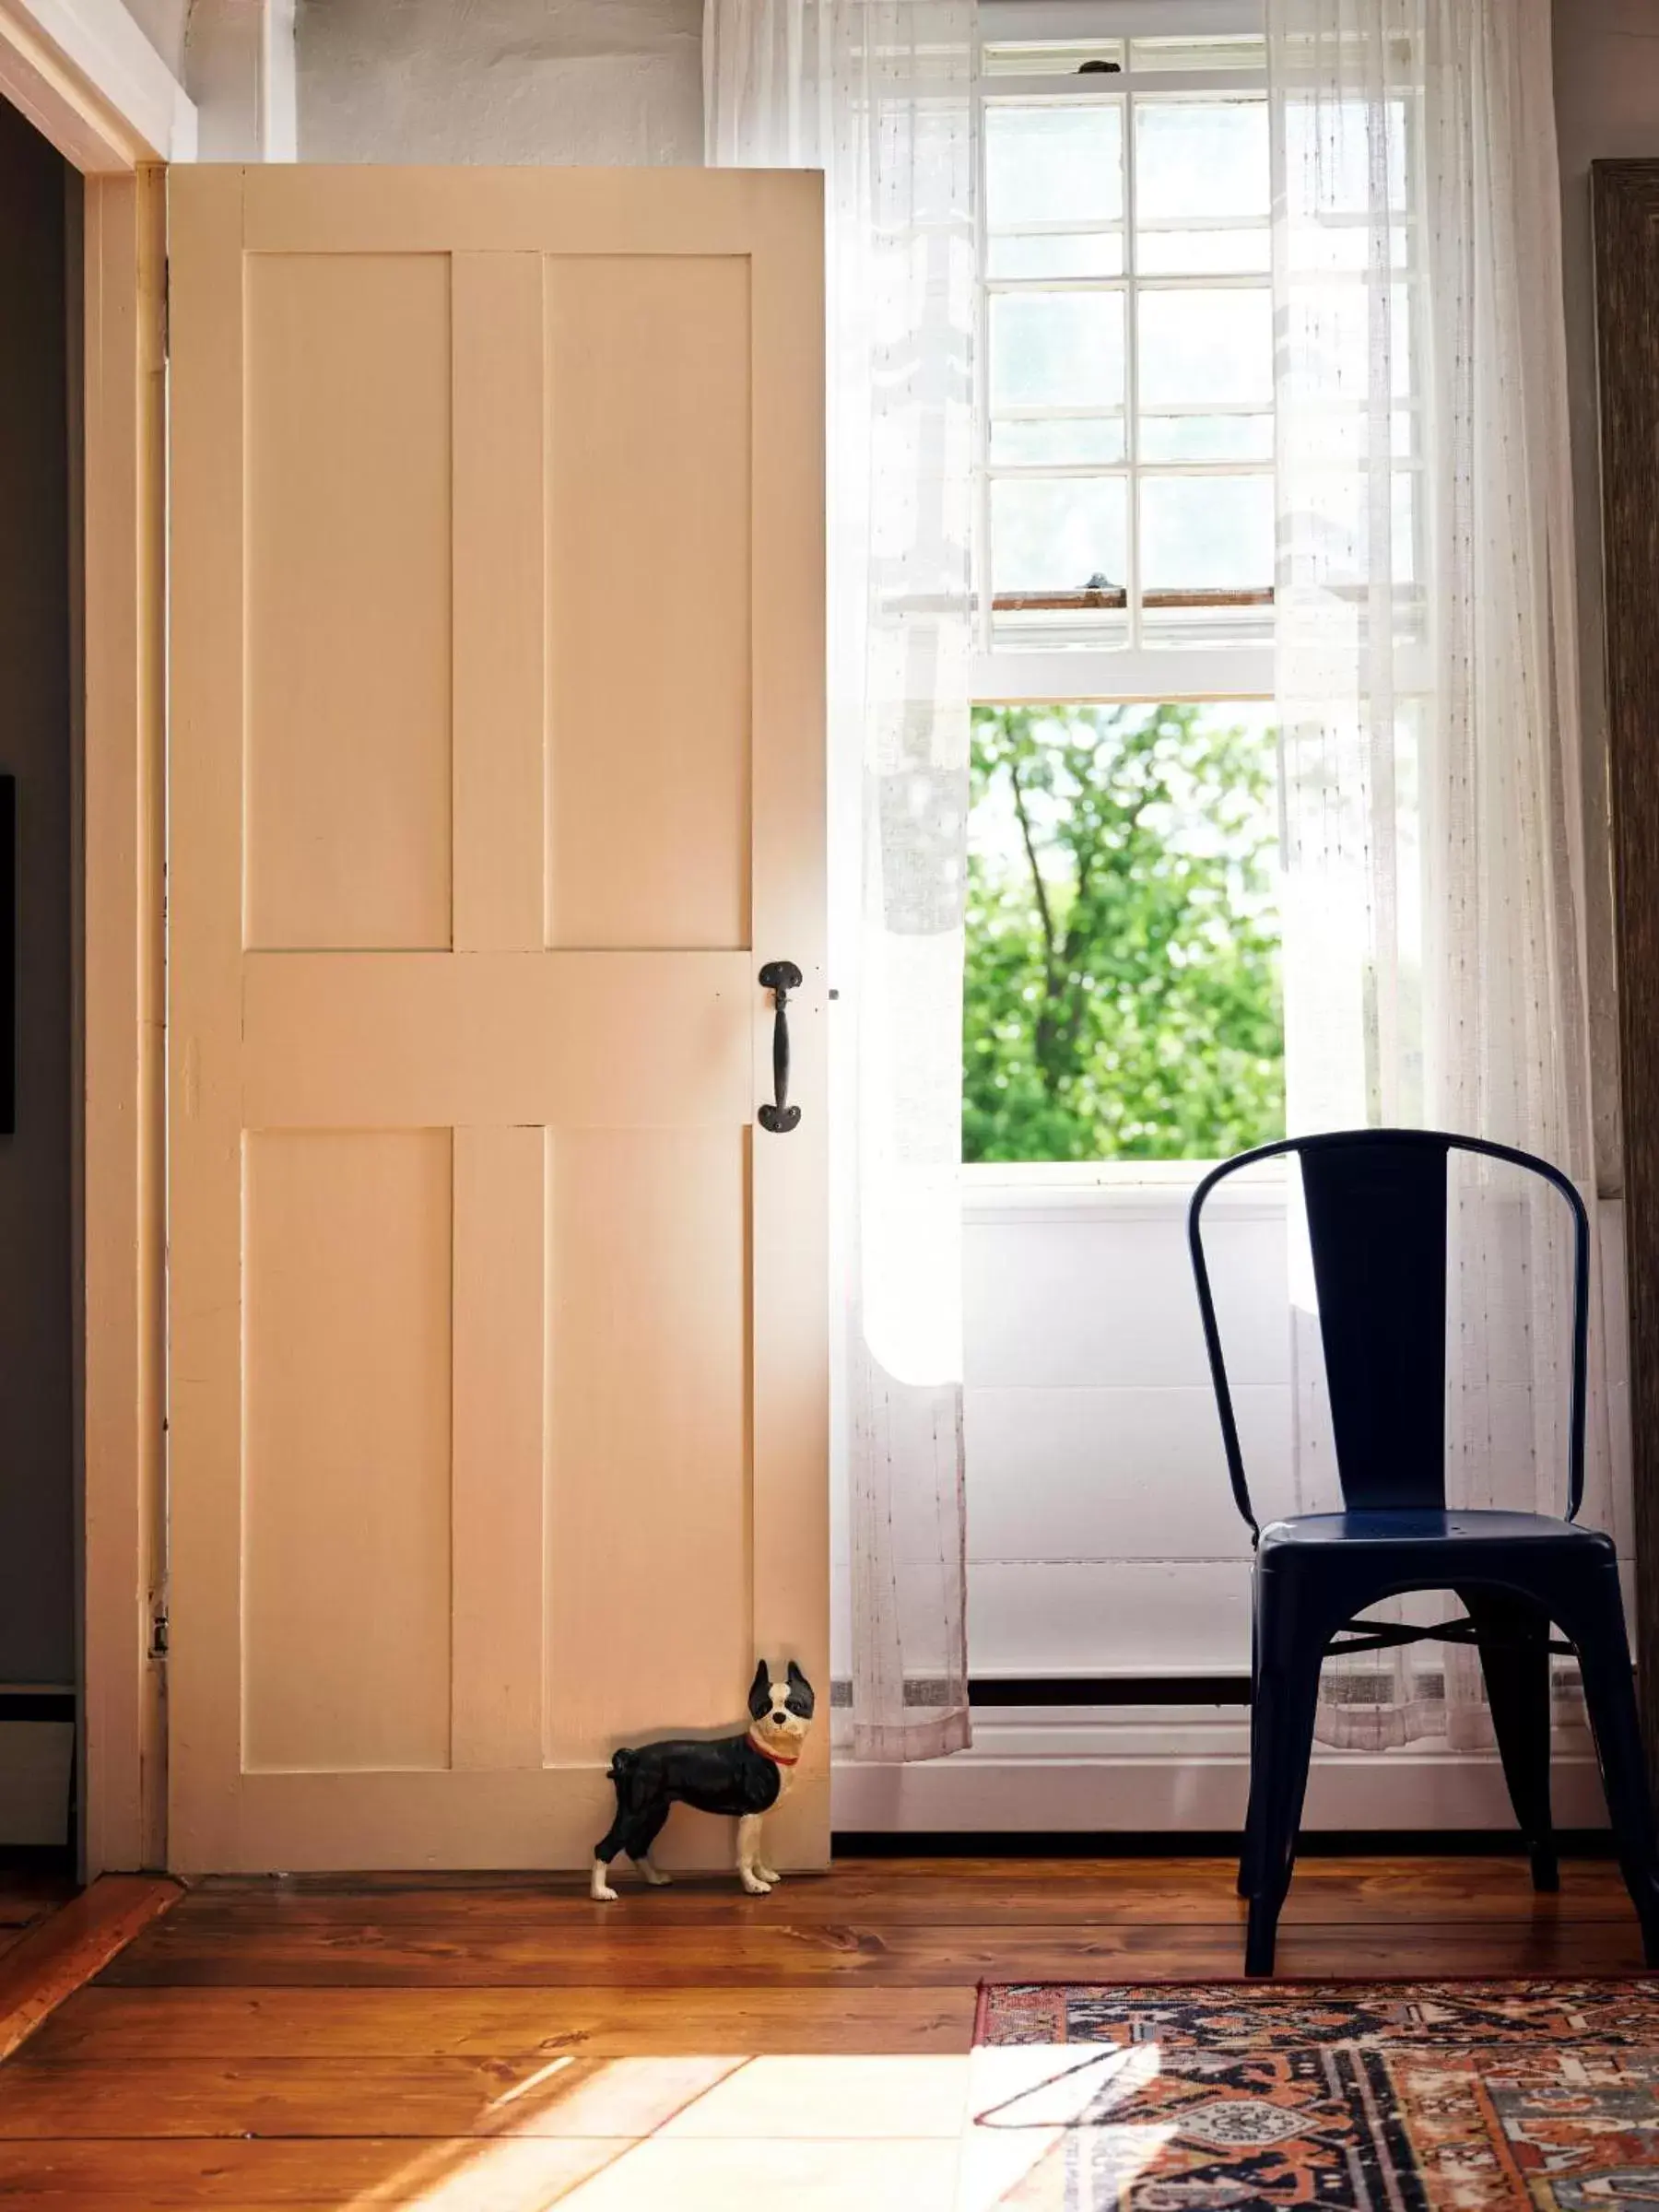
39,291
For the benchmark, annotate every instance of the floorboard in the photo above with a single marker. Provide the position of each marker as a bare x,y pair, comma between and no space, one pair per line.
68,1947
505,2045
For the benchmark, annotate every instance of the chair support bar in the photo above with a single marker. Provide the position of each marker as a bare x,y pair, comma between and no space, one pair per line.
1386,1635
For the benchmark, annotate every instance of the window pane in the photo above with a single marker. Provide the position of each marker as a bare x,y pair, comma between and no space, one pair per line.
1077,254
1332,149
1206,438
1207,532
1201,156
1063,441
1339,505
1337,243
1345,433
1121,995
1203,253
1337,341
1056,534
1058,350
1054,163
1198,346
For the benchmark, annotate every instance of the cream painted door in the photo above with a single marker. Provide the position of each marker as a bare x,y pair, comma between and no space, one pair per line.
497,1322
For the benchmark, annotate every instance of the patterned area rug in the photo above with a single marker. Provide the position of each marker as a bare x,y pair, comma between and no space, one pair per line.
1444,2097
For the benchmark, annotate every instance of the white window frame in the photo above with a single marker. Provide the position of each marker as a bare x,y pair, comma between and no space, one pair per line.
1117,673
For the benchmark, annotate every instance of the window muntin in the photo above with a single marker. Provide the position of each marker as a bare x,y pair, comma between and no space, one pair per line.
1127,335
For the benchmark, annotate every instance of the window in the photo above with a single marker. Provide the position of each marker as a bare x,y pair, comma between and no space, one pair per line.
1127,343
1123,989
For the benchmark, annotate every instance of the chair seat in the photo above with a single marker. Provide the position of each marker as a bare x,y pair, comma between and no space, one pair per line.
1381,1528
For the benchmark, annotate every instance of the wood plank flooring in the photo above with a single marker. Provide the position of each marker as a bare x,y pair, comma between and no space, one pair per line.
508,2045
65,1949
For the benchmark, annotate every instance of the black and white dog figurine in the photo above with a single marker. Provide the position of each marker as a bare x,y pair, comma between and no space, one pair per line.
741,1775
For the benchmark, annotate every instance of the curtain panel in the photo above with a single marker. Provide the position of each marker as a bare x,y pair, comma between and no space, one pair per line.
1427,695
877,94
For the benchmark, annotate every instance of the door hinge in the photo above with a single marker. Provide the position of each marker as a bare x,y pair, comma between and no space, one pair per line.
167,308
158,1628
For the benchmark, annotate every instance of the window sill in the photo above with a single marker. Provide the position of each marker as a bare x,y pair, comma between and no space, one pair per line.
1155,1190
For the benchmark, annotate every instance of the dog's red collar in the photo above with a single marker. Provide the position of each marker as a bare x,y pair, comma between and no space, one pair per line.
766,1751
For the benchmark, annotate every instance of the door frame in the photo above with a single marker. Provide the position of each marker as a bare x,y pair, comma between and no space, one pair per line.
83,75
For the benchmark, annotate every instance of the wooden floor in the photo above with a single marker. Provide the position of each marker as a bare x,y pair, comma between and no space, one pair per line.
504,2046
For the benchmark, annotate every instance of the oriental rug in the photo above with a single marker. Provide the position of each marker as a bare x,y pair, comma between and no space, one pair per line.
1441,2097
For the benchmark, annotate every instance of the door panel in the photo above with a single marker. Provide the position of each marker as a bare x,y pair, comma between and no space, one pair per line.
649,801
498,1430
347,1455
348,467
659,1219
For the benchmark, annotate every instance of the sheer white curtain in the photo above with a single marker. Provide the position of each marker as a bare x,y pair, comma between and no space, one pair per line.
1428,698
876,93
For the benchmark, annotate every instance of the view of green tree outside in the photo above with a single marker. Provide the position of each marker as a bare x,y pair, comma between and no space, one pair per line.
1123,995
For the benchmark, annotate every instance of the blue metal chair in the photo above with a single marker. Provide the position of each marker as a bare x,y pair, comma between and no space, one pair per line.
1376,1201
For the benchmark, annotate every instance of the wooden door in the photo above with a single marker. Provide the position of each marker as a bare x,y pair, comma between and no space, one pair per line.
498,1322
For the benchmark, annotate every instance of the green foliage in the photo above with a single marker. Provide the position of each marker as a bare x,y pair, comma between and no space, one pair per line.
1123,987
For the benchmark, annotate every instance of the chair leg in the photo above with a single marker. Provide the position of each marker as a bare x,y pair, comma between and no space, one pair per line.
1286,1693
1249,1854
1513,1637
1597,1630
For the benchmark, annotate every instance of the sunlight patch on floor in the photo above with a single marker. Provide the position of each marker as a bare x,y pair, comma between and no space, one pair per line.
1000,2130
1043,2115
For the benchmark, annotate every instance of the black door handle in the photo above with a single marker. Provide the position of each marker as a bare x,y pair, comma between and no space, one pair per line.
779,977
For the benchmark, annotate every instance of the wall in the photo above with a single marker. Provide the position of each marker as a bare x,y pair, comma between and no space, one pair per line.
1101,1535
37,1613
1607,86
500,80
163,24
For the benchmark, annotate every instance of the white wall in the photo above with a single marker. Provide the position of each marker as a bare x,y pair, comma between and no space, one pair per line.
500,80
1102,1534
162,23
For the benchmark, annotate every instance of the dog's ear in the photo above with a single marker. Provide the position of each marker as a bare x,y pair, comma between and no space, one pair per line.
800,1691
761,1691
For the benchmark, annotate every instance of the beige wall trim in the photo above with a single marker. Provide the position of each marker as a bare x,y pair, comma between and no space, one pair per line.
124,1536
89,81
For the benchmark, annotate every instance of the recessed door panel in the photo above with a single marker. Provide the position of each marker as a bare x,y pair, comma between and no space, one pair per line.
648,1538
348,492
346,1334
648,435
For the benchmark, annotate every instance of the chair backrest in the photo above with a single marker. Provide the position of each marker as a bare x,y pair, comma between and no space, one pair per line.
1376,1208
